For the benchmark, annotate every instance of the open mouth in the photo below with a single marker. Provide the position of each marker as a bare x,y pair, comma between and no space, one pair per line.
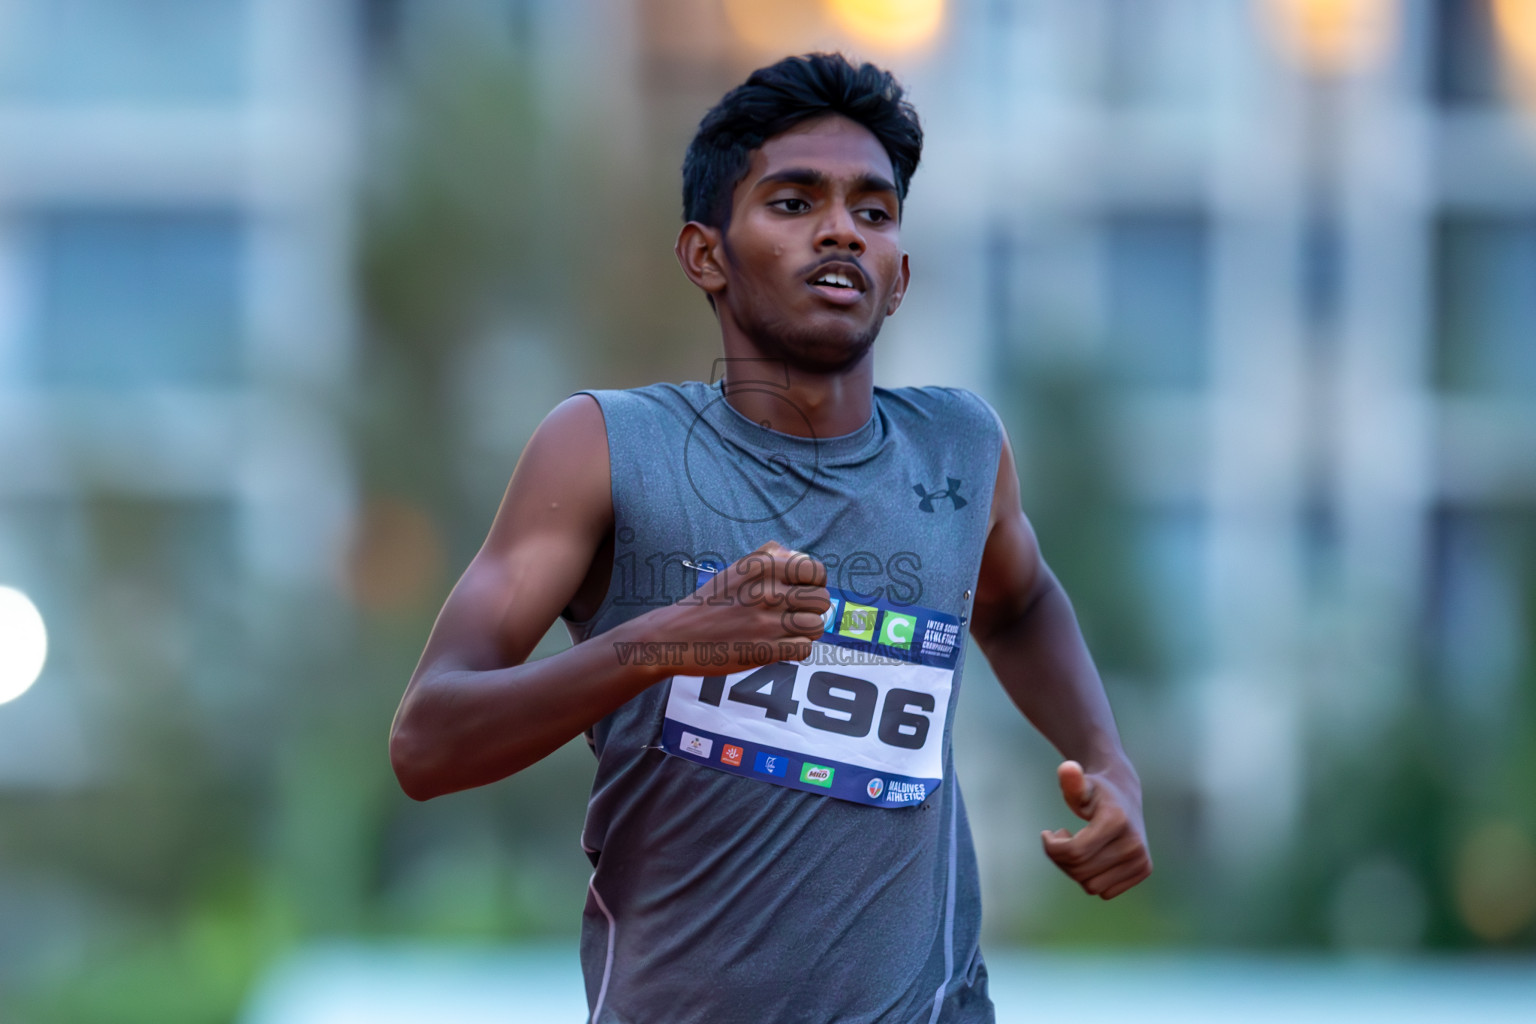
842,282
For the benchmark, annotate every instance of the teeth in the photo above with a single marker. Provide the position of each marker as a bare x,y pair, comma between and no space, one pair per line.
835,280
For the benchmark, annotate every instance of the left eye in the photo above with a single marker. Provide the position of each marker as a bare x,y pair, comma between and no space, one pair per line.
876,215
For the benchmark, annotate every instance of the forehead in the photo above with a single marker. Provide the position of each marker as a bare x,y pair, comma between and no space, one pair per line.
832,144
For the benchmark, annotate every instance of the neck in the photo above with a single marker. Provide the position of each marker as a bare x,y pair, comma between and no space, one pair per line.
783,393
804,403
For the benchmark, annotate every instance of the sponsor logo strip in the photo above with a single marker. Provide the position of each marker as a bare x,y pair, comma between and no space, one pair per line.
794,771
900,632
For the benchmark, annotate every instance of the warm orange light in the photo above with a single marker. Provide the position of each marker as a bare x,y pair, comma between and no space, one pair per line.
1333,37
395,556
797,26
1495,881
1515,21
779,27
891,25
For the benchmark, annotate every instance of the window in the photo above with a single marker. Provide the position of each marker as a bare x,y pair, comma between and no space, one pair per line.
1481,611
132,298
1464,61
1155,306
105,50
1486,305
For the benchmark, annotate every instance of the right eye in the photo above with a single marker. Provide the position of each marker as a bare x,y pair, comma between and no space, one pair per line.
791,204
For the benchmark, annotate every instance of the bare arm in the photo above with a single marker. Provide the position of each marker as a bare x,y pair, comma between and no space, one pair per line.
475,710
1025,625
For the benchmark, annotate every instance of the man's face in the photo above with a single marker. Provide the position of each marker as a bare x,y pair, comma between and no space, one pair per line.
812,258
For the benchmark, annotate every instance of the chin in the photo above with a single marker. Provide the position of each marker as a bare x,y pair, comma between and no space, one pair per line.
817,351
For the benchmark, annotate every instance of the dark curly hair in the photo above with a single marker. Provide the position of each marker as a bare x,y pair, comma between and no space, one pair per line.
780,96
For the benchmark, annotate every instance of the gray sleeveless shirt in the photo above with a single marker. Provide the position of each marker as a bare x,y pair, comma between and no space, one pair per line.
722,896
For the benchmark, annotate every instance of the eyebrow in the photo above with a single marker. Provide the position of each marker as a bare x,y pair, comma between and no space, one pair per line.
813,178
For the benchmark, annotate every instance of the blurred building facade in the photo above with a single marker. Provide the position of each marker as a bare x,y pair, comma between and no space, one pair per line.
175,324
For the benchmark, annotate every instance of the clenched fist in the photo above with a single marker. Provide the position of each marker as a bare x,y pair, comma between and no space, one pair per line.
766,607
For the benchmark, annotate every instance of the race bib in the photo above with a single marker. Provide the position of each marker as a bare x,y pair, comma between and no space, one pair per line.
861,719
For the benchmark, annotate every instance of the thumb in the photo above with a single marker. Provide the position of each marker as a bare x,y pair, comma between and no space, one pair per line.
1076,788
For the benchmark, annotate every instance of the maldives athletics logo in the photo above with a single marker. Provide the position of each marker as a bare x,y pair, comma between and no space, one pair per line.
875,788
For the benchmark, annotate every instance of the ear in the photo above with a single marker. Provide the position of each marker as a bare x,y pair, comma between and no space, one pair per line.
900,291
698,253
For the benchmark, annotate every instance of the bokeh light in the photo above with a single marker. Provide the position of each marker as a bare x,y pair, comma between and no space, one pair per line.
1378,904
1515,21
395,555
1334,37
23,644
795,26
779,26
1496,881
889,25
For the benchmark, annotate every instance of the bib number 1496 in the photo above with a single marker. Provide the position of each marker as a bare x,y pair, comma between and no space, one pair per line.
839,703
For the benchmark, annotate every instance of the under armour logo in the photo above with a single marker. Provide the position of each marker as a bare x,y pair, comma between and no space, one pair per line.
952,493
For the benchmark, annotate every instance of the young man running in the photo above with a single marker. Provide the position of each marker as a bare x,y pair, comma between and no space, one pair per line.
770,581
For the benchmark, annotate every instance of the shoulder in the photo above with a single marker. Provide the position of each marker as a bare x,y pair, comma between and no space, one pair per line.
578,421
662,393
568,452
958,408
568,449
560,482
641,408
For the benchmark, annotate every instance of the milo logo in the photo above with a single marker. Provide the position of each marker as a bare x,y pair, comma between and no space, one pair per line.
816,775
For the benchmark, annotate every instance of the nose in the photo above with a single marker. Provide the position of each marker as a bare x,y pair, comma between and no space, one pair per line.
839,230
